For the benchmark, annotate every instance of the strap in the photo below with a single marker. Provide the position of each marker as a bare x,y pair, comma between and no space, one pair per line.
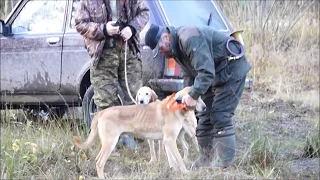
234,54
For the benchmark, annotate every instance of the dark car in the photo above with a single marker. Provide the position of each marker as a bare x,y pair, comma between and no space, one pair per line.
44,63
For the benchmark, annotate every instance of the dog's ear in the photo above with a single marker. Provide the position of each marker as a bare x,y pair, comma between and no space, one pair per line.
154,96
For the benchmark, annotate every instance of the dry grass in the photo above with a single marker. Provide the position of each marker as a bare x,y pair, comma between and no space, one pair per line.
277,122
267,145
33,151
282,43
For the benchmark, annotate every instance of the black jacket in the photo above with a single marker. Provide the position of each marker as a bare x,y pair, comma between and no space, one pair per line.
201,53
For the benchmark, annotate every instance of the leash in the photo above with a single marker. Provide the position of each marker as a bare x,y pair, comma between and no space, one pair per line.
118,23
125,72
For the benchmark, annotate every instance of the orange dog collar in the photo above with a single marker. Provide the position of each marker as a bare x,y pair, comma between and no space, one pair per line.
173,105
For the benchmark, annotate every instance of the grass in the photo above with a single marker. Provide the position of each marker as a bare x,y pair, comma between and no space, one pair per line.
266,144
277,122
282,42
31,151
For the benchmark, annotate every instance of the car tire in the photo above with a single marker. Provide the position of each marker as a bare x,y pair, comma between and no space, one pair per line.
89,109
88,106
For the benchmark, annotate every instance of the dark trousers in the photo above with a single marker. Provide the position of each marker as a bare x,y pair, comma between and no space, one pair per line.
221,104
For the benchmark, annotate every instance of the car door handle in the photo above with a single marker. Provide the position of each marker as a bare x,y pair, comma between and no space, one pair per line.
53,40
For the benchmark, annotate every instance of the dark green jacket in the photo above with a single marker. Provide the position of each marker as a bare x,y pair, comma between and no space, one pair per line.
200,52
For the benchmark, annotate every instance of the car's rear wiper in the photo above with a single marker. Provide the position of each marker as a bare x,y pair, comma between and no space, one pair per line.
209,19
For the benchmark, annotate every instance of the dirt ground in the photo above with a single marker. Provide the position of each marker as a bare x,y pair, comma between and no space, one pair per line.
271,135
284,125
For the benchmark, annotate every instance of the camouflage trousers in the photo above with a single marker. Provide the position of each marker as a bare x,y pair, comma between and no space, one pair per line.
109,73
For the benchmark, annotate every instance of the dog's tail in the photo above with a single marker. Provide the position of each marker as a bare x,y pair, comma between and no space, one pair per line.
92,136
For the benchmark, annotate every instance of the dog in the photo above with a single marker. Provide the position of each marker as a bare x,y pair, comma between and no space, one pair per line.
149,121
146,95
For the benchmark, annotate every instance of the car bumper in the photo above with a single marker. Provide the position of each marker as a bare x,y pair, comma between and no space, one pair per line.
174,85
167,85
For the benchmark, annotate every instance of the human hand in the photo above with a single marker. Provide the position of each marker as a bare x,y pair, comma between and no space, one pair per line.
189,102
126,33
112,30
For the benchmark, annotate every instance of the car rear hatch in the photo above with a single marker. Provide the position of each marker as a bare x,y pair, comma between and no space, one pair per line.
187,12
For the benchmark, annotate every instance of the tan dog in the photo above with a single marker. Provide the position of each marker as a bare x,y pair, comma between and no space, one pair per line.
152,121
146,95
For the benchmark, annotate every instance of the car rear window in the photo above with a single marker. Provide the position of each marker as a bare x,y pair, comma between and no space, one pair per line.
192,12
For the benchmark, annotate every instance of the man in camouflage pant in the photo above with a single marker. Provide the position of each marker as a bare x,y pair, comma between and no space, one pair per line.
105,42
108,73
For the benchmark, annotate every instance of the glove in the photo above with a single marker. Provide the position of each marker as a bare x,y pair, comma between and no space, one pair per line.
126,33
112,30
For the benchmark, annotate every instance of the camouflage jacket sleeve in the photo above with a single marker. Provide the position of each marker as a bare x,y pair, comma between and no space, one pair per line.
142,16
86,27
197,50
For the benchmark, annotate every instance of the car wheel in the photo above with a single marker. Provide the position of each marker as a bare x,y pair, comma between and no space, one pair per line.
88,106
89,110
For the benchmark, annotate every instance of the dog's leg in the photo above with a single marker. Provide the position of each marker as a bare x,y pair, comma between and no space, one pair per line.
170,142
152,151
195,142
185,146
189,126
189,130
108,142
171,146
171,160
161,149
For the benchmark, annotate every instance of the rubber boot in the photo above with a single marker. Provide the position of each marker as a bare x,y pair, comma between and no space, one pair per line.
206,151
127,141
224,145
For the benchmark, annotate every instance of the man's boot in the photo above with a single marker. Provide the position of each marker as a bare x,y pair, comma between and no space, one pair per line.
127,141
224,145
206,151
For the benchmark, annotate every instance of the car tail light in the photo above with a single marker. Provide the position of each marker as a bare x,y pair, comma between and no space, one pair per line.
172,68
